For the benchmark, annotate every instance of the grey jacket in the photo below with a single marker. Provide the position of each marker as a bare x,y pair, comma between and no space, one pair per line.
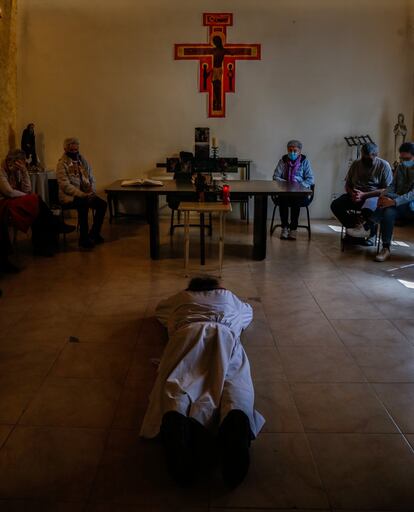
71,181
402,188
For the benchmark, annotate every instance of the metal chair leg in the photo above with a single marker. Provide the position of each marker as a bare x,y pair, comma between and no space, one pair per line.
378,237
272,227
172,223
309,224
343,233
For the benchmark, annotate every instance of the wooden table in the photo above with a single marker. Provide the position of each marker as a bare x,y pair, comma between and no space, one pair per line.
202,208
259,189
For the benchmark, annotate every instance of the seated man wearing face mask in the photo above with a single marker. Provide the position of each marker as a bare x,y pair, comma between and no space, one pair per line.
366,180
293,167
398,201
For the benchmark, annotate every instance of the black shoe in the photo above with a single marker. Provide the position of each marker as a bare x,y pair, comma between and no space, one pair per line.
7,267
98,239
234,443
86,243
176,439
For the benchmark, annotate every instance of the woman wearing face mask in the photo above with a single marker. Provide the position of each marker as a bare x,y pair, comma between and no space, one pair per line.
292,167
398,200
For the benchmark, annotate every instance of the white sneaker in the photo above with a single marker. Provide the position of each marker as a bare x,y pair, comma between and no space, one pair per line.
358,232
383,255
292,234
285,234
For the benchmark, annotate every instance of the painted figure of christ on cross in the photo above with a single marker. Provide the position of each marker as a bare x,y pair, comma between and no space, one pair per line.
217,61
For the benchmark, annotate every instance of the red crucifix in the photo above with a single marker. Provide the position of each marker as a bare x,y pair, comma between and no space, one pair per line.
217,60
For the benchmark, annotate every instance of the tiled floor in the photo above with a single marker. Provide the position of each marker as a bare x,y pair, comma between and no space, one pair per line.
331,350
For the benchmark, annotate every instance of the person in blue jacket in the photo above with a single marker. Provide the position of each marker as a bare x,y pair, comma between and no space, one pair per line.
292,167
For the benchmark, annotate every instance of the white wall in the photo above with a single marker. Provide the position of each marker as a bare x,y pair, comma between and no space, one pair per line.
104,70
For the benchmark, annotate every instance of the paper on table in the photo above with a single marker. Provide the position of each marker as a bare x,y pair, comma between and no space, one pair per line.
139,182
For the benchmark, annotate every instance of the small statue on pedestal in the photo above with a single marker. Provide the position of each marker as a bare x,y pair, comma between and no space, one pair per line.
400,133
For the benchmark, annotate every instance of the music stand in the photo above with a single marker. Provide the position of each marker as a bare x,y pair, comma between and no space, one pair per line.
357,141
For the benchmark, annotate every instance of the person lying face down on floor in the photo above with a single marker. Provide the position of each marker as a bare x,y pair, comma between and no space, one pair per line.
204,386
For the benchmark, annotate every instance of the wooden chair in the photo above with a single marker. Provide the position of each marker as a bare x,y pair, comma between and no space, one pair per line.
202,209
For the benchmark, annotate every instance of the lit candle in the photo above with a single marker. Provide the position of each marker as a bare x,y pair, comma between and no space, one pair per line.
214,142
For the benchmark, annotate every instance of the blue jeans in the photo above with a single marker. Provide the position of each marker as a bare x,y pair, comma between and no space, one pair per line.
387,217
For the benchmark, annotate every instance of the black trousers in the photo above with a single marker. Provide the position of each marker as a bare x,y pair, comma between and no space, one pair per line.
82,205
343,207
45,227
294,204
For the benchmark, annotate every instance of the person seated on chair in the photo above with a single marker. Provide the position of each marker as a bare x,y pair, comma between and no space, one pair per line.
292,167
203,383
397,202
77,189
21,209
366,180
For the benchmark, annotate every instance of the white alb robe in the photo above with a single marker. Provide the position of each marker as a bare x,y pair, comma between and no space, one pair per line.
204,372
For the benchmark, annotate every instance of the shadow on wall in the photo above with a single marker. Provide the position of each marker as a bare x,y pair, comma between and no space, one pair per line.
12,137
40,147
386,137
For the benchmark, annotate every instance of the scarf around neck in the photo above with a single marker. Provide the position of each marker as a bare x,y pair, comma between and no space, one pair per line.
291,168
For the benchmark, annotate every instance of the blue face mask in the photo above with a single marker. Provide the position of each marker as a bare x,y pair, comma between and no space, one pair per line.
408,163
293,156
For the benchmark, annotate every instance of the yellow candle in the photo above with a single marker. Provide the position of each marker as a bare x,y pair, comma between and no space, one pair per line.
214,142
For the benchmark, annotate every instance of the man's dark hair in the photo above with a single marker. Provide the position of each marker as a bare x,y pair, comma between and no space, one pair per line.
203,284
369,147
407,147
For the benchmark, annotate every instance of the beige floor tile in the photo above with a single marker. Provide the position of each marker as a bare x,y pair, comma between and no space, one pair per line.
396,308
265,364
54,464
366,332
399,400
341,408
365,471
16,391
351,307
316,332
275,402
258,334
282,475
152,333
406,326
144,363
379,363
310,364
45,328
27,359
116,304
132,404
280,308
4,433
64,402
93,361
118,328
133,472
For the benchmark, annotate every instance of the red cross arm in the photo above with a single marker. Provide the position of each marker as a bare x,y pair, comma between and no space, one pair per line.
251,51
190,51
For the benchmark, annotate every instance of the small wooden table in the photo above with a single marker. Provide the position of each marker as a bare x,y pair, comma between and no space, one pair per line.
202,208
